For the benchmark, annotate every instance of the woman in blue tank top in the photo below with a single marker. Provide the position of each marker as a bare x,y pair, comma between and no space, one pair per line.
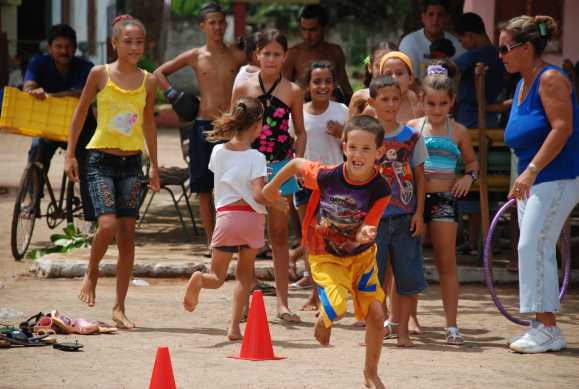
543,131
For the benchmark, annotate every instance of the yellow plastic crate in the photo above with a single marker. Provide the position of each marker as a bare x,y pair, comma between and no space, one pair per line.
26,115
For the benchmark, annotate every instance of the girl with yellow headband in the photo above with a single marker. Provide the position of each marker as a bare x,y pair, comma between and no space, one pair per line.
398,65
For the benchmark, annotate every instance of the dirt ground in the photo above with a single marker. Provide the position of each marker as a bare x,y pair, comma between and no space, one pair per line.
199,348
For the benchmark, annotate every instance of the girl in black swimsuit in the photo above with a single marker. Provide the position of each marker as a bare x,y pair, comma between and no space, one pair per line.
280,98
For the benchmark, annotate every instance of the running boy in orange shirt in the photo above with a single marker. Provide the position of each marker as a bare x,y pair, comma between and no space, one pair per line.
339,230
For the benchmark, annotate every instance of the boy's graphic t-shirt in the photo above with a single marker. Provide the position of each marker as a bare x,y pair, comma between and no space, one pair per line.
404,150
338,208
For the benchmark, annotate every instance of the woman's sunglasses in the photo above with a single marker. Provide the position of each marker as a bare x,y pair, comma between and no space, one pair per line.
504,49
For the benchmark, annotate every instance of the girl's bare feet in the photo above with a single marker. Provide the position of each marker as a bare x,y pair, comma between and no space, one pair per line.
192,292
321,332
413,326
234,333
121,319
88,289
373,382
405,342
313,303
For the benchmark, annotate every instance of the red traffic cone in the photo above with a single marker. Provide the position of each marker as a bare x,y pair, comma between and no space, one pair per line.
256,344
162,377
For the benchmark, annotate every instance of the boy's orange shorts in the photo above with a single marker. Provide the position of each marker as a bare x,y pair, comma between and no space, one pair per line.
337,277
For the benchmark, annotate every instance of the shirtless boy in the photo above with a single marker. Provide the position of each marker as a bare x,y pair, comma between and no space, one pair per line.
215,65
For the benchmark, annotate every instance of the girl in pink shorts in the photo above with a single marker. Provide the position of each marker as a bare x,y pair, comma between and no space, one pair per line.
239,173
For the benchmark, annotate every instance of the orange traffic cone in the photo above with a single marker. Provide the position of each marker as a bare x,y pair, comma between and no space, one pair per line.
256,344
162,377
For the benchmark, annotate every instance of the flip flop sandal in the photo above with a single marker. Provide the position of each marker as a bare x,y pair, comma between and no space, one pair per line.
105,328
68,346
28,324
454,337
267,289
61,323
290,318
44,326
84,327
389,327
298,286
20,338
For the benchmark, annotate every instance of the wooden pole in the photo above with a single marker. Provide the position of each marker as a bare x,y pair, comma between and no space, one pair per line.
480,74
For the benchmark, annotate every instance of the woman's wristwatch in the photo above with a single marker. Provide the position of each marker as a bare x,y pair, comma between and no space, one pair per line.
473,174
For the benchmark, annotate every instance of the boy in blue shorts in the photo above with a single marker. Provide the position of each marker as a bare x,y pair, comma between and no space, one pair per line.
339,230
402,224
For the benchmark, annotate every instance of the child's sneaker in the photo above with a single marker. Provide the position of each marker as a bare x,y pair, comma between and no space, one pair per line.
534,324
453,336
539,339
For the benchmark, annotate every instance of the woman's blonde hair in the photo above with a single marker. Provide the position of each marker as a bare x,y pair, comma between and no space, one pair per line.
537,30
243,115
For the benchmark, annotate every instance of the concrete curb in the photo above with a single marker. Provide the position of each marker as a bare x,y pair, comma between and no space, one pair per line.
54,266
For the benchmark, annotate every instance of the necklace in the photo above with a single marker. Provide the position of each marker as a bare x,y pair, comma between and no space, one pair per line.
524,85
267,94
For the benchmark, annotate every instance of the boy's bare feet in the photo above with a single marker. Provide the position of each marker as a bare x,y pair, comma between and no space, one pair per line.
313,304
413,326
121,319
192,292
321,333
405,342
88,289
234,333
373,382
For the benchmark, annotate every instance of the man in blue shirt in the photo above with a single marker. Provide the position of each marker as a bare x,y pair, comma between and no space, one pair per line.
472,35
59,74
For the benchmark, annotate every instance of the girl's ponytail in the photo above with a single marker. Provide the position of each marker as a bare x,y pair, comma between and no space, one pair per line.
244,113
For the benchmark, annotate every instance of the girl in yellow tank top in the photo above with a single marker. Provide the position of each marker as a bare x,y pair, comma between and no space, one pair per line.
125,98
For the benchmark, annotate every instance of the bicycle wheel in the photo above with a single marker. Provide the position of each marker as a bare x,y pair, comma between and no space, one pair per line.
26,208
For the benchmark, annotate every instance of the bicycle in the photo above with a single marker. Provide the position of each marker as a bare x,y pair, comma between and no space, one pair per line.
27,207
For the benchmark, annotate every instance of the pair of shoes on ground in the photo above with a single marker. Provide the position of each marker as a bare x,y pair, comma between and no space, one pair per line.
539,339
55,322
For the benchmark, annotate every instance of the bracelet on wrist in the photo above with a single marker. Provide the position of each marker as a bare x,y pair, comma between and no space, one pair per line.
533,168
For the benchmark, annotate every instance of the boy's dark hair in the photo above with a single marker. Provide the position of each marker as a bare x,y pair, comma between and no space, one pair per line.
210,7
442,47
364,123
61,31
267,37
470,22
382,82
428,3
315,11
248,43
